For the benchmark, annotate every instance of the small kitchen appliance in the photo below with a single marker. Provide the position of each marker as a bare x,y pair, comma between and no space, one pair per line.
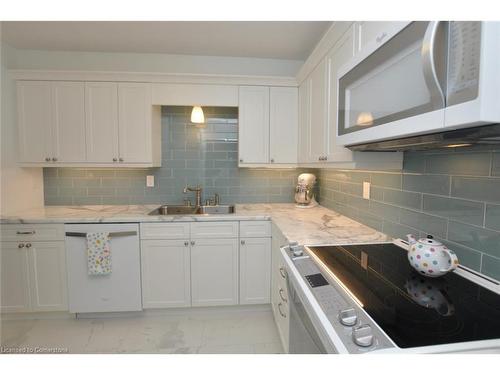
304,191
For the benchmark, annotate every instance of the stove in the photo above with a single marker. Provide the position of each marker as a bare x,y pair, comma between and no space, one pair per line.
402,308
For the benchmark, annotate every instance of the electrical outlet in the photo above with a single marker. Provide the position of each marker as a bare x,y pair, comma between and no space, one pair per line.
150,181
366,190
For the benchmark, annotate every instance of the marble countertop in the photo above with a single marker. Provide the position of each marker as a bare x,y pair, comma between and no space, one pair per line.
312,226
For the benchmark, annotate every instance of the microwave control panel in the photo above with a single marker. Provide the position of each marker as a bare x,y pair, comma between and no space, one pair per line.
463,61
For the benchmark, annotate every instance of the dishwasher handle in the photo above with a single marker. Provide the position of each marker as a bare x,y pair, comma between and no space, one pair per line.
111,234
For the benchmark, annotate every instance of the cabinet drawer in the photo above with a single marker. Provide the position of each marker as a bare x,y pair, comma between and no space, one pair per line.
220,229
32,232
255,229
164,231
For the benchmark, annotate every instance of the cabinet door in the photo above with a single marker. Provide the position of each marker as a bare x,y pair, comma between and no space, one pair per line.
166,269
304,120
253,142
101,117
283,124
15,296
341,53
319,112
68,128
34,103
255,271
134,119
48,287
214,272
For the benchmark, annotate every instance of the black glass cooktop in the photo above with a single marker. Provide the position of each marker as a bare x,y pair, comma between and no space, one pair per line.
413,310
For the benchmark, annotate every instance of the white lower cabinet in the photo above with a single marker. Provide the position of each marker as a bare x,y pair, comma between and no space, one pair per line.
15,295
166,273
214,272
33,276
255,270
47,262
279,290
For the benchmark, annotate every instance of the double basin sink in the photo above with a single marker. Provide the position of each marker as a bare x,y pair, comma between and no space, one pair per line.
192,210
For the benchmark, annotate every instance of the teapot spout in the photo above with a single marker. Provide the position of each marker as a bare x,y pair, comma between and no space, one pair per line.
411,239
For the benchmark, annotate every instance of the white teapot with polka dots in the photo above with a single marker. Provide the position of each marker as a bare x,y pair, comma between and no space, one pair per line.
430,257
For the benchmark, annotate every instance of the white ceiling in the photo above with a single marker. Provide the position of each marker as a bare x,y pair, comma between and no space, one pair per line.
278,40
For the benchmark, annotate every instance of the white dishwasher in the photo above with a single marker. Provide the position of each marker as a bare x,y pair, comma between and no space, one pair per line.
118,291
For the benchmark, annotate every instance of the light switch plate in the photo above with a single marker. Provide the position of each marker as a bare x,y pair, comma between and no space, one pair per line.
150,181
366,190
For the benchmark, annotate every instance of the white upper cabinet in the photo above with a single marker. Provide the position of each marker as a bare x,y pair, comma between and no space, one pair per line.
268,125
253,123
134,119
283,124
34,103
341,53
101,105
86,124
318,112
304,120
68,128
51,117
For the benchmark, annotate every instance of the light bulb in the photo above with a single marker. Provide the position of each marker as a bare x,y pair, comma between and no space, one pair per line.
197,115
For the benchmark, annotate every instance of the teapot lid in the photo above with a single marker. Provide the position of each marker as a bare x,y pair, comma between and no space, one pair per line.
430,241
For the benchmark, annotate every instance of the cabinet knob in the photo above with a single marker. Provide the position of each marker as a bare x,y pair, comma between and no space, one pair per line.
115,159
47,159
242,242
325,158
121,159
20,246
193,243
54,159
28,245
241,160
272,160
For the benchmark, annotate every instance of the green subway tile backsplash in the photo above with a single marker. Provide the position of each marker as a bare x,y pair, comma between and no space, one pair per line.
189,157
452,194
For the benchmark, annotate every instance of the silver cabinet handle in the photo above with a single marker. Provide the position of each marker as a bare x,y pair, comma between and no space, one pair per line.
193,243
241,160
186,243
54,159
47,159
120,159
20,246
242,242
281,295
115,159
30,232
279,309
272,160
282,272
28,245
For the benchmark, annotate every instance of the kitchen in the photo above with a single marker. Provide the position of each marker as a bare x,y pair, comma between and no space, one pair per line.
167,190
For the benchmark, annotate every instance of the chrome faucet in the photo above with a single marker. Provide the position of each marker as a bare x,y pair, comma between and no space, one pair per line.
198,189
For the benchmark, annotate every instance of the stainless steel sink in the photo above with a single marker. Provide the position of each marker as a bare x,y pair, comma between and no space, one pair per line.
219,209
192,210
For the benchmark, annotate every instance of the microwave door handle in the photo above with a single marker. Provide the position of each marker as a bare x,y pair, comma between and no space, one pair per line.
431,72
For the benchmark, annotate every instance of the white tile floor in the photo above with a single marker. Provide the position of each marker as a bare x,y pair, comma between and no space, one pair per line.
210,330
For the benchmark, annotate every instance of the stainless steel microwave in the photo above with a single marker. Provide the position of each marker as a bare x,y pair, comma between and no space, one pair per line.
429,77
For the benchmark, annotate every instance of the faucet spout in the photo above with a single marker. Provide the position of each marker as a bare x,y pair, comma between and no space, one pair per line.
198,189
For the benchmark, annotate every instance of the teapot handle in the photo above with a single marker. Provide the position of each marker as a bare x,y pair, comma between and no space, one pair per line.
453,260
